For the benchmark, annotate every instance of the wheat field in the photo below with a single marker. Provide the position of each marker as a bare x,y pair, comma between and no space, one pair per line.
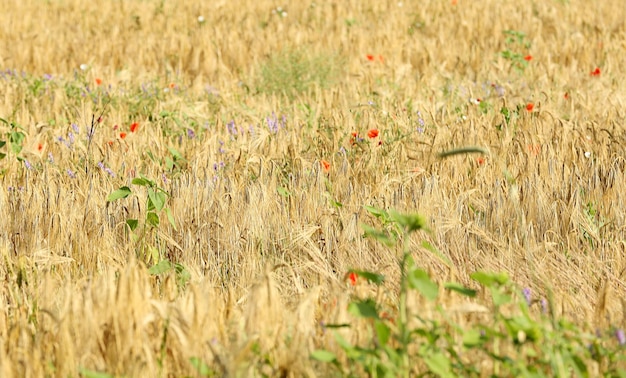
267,172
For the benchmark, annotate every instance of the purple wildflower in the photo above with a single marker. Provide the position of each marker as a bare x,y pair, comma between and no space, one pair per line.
109,172
544,305
47,77
75,128
27,165
71,173
232,128
164,179
621,337
422,124
222,147
50,158
191,134
70,137
527,295
272,123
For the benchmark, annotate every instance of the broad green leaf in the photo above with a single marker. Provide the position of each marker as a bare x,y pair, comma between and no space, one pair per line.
460,289
471,338
142,181
375,278
411,222
2,143
162,267
439,364
170,217
157,199
489,279
175,153
132,223
376,212
122,192
169,164
323,355
383,332
152,219
364,309
418,279
182,274
283,192
201,368
499,298
94,374
371,232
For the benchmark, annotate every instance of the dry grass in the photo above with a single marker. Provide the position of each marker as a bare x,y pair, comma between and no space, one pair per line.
267,268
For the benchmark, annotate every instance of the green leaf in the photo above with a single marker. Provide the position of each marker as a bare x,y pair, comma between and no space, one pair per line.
157,199
142,181
170,217
86,373
201,368
499,298
371,232
411,222
471,338
460,289
363,309
283,192
175,153
378,213
463,151
489,279
182,274
122,192
2,155
132,223
162,267
383,332
2,143
439,364
419,279
375,278
152,219
444,259
323,355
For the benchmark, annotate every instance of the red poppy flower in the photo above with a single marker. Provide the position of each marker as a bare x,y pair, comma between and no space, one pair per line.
39,147
122,135
530,106
98,81
110,143
172,85
352,277
528,58
595,72
325,165
480,160
566,96
370,57
134,127
373,133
